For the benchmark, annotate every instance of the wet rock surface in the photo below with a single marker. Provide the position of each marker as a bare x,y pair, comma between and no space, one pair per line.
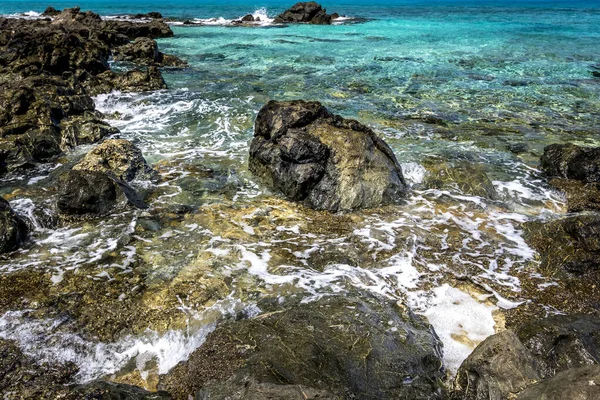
573,384
21,377
569,246
562,342
307,13
323,160
574,170
498,368
339,346
13,229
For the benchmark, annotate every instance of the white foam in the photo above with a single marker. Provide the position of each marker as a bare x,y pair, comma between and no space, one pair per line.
460,321
44,340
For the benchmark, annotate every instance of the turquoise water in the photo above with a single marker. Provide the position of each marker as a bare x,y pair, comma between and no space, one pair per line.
444,83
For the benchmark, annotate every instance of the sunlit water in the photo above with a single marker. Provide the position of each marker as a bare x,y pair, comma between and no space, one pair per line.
441,83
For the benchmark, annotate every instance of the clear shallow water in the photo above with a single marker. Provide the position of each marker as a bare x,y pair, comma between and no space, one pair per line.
444,84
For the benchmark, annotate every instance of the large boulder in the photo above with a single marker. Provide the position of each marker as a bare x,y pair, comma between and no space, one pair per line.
90,193
13,230
562,342
498,368
119,157
336,347
305,12
323,160
574,384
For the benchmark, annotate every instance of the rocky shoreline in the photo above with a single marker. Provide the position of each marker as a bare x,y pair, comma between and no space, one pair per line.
337,346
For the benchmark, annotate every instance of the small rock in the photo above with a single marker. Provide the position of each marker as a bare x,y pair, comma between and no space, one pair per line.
248,18
13,230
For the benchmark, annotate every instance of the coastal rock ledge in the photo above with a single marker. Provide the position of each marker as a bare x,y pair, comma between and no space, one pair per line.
323,160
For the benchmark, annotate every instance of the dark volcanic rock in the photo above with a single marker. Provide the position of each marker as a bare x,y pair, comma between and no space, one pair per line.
145,51
113,391
151,15
574,384
50,12
130,81
118,157
49,69
498,368
13,229
562,342
323,160
308,13
336,347
83,193
248,18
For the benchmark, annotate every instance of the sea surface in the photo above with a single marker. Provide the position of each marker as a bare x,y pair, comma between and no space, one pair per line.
481,85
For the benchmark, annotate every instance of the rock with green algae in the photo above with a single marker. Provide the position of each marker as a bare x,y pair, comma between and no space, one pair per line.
568,246
119,157
574,384
144,50
340,346
13,230
323,160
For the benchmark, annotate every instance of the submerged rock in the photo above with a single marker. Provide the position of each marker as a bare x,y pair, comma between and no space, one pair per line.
307,12
13,230
336,347
498,368
323,160
469,178
574,384
562,342
118,157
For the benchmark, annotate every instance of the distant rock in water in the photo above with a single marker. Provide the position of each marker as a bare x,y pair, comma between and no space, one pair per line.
50,12
323,160
307,13
13,229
